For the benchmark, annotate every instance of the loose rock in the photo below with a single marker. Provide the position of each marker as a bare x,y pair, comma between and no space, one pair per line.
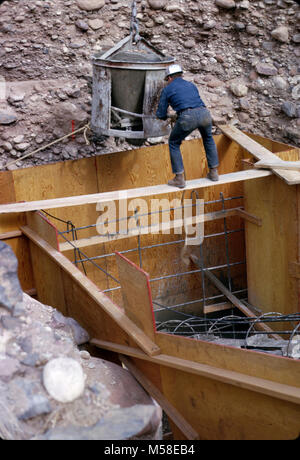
90,5
64,379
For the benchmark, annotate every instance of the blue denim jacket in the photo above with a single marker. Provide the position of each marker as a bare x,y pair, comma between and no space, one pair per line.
179,94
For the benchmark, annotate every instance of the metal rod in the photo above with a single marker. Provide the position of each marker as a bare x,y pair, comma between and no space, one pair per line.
112,254
160,211
139,237
184,273
226,244
191,302
92,262
195,271
202,273
136,115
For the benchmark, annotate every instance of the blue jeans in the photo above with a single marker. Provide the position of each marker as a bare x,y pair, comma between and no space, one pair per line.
188,121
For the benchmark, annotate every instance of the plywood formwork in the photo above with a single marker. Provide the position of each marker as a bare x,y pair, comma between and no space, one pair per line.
212,391
206,382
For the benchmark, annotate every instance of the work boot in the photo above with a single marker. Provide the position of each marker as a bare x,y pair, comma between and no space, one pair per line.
178,181
213,174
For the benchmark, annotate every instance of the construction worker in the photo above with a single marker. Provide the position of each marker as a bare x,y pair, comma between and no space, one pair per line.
184,98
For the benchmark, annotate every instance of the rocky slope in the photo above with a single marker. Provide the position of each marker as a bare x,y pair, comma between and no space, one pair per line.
50,386
243,55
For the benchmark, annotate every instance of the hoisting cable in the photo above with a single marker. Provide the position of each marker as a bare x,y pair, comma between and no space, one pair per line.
84,129
134,27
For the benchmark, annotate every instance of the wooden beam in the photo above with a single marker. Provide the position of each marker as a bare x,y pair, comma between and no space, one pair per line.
217,307
10,235
267,387
161,227
129,194
260,153
116,313
169,409
278,164
136,293
249,217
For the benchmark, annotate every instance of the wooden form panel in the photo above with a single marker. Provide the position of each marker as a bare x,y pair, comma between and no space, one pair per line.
84,301
43,227
224,412
270,367
137,168
150,166
217,402
62,180
271,247
47,275
10,233
284,151
140,168
48,280
185,428
136,292
20,246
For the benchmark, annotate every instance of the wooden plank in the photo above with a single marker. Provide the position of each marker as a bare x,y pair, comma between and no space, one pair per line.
10,235
153,229
278,164
169,409
137,297
260,153
259,385
217,307
101,99
271,247
104,302
249,217
107,197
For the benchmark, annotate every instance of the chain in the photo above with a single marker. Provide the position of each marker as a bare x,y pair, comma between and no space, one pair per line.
134,28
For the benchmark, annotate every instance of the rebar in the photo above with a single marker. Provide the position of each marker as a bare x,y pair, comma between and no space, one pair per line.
195,326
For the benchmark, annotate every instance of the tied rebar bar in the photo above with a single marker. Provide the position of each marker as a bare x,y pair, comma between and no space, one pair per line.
241,330
231,329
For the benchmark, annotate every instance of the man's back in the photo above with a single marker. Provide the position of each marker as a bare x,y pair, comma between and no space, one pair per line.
180,94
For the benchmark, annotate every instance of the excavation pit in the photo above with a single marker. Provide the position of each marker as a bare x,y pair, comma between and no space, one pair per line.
131,291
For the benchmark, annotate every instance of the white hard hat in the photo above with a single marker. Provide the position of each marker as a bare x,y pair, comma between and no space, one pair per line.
172,70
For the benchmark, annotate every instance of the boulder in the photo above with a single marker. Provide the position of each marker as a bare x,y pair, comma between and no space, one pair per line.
90,5
157,4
